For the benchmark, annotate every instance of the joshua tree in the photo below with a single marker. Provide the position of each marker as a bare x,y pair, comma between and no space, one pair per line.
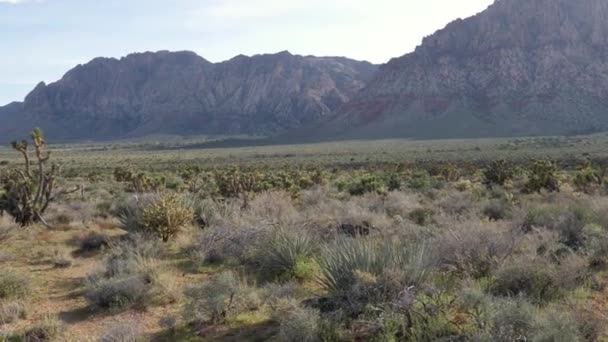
27,193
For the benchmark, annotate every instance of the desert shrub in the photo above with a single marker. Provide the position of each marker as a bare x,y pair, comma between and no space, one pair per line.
420,180
400,203
512,320
543,176
103,209
278,295
422,216
123,332
449,172
169,323
556,325
587,178
116,293
230,243
568,222
393,182
596,243
476,304
236,183
163,217
93,241
13,284
300,325
63,219
132,275
289,254
48,329
498,172
497,209
456,204
273,206
134,254
218,299
539,279
368,183
61,259
474,249
11,312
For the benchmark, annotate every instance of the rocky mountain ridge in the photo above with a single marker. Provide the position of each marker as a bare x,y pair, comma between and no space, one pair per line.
182,93
520,67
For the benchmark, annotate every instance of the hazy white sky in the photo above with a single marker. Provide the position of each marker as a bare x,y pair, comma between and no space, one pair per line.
41,39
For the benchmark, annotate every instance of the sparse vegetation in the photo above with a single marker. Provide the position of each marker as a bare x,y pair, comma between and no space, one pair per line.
249,247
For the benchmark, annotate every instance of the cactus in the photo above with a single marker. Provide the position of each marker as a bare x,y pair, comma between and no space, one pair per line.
27,193
166,216
238,184
587,178
498,173
543,175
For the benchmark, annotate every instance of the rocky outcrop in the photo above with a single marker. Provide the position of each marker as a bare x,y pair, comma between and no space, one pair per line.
520,67
182,93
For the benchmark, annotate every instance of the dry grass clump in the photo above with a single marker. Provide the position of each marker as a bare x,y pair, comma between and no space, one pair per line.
219,299
47,329
12,311
122,332
300,325
13,284
474,248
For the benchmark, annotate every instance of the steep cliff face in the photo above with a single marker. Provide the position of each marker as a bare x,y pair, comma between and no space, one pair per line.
519,67
182,93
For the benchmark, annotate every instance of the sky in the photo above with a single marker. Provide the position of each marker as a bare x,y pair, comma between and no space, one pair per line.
40,40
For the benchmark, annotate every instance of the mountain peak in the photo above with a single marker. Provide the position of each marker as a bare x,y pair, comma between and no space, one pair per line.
182,93
519,67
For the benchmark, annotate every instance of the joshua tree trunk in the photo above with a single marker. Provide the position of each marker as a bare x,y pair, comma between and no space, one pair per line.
27,194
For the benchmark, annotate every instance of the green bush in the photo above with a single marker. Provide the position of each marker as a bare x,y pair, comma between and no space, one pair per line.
543,176
368,183
569,222
498,172
587,178
559,325
497,209
420,180
513,320
422,216
533,280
